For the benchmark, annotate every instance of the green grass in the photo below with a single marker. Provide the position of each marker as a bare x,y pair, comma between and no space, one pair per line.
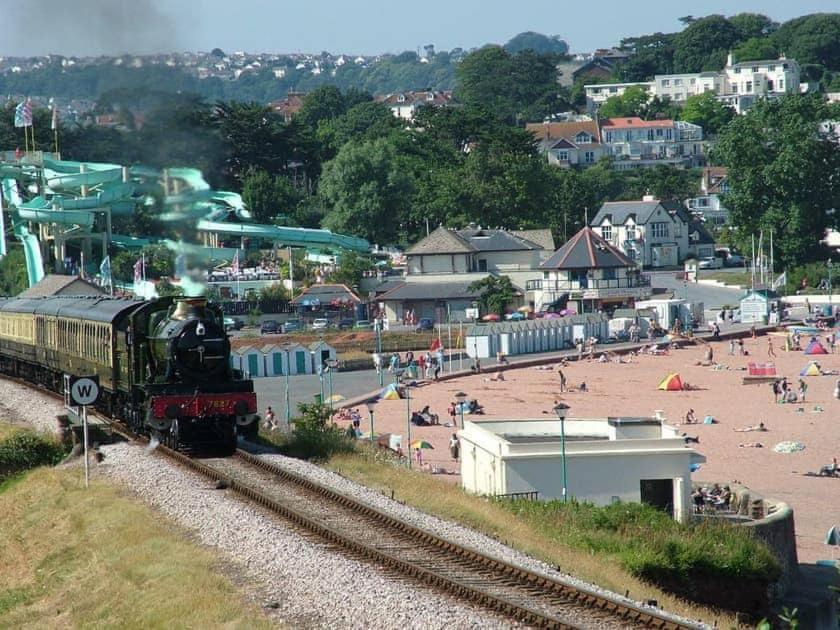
75,558
734,278
22,449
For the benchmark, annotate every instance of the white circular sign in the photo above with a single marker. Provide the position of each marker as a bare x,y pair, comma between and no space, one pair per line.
84,391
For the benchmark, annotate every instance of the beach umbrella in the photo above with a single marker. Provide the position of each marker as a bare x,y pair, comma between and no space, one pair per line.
421,444
524,309
789,447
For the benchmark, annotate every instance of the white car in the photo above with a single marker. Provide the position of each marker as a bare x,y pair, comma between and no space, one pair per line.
320,324
710,263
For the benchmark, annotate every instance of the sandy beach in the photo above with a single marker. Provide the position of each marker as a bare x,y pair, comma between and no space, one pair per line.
631,390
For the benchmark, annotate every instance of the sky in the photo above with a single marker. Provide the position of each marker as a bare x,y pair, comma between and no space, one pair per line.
90,27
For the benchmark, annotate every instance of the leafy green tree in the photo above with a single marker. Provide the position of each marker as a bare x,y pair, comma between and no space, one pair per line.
652,55
539,43
782,175
267,196
755,49
811,39
274,291
365,121
708,112
632,103
704,44
350,268
753,25
13,278
497,293
366,194
254,137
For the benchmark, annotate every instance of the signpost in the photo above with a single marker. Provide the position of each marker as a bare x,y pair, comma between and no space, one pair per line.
81,391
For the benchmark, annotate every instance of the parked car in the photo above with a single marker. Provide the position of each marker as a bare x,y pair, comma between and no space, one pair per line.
292,325
270,327
710,263
320,324
234,323
345,324
516,316
425,323
363,324
735,260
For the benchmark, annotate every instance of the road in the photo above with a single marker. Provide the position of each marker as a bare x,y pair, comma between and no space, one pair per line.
711,296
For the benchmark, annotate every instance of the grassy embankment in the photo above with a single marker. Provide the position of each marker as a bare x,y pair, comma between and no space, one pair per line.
621,547
71,557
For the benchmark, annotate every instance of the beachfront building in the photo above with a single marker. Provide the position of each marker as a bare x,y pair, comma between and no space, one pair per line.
441,267
633,142
650,232
588,274
606,460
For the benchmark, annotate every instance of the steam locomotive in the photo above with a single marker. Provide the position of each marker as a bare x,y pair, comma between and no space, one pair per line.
163,365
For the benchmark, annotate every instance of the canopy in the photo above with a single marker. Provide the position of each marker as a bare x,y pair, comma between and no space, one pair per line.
390,393
812,369
815,347
671,383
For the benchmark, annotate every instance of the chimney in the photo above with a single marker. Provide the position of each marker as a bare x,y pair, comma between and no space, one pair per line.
729,59
648,197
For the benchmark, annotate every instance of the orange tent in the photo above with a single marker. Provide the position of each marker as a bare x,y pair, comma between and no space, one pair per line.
671,383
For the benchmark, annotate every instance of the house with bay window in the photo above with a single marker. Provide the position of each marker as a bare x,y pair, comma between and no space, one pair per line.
588,274
650,232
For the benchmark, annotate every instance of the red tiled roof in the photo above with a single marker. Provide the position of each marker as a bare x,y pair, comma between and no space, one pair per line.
634,122
567,130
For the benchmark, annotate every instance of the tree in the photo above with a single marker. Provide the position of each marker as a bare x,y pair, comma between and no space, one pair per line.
811,39
274,291
755,49
539,43
365,192
365,121
497,292
703,44
782,175
652,55
268,196
350,268
753,25
13,278
708,112
632,103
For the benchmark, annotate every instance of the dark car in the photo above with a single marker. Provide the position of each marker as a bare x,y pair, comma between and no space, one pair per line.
344,324
425,323
269,327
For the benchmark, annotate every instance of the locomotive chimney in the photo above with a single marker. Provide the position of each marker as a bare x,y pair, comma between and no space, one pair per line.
190,308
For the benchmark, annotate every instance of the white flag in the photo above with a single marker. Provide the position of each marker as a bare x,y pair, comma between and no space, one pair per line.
780,281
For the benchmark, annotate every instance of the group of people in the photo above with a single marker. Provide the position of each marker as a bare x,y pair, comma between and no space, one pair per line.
428,364
736,346
424,418
715,497
783,391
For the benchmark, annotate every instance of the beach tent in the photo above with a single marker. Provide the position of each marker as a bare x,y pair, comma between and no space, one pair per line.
671,383
812,369
815,347
390,393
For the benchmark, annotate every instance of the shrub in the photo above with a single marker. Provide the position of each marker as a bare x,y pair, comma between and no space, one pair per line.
315,436
23,450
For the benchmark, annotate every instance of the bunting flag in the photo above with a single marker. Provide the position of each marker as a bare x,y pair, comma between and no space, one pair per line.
19,121
138,271
27,113
54,124
235,264
105,271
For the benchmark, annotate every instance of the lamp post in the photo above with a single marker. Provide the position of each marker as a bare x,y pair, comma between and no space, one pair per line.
830,290
286,387
371,404
561,409
332,364
398,374
378,326
461,397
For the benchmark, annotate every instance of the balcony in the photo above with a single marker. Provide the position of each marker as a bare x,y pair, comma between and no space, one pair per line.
639,282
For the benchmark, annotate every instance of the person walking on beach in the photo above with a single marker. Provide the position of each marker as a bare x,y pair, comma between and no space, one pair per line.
454,447
562,380
803,387
770,351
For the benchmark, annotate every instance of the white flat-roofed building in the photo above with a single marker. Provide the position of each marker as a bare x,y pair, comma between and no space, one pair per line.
607,460
598,93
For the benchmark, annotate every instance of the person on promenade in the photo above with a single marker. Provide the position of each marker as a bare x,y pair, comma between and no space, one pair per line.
454,447
770,351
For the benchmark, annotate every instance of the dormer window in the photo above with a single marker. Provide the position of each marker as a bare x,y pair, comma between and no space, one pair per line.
430,96
401,98
583,138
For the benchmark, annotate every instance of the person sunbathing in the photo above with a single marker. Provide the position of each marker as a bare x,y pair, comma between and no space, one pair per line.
751,445
756,427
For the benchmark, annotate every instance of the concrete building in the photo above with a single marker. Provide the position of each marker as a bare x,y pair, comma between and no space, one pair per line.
707,206
606,460
588,274
633,142
598,93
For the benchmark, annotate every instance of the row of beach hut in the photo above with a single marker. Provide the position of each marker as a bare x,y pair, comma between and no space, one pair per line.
281,359
531,336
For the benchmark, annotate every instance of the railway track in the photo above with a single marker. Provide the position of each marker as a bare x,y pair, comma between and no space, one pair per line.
466,573
369,533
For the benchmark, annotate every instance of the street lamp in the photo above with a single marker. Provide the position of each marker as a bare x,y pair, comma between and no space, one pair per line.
830,303
286,386
371,404
461,397
319,369
561,409
377,325
332,364
398,374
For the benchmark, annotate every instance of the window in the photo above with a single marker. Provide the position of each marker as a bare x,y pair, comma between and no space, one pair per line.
771,68
749,86
677,82
589,157
769,85
693,82
606,232
784,66
482,265
650,134
734,88
666,82
608,273
736,70
563,156
755,69
583,138
659,133
659,230
781,85
613,90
